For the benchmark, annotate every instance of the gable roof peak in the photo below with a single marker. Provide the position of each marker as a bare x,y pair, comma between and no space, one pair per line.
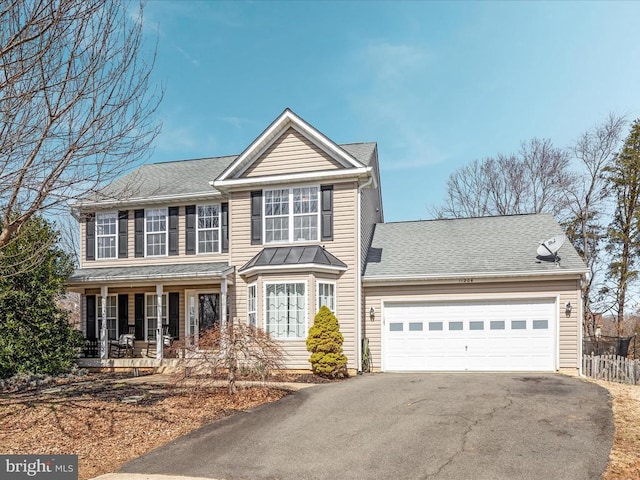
286,120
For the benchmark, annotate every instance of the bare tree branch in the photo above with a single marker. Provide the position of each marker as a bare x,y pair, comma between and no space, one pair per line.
76,105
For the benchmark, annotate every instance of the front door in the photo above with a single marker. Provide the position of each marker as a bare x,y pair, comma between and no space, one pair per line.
202,313
208,310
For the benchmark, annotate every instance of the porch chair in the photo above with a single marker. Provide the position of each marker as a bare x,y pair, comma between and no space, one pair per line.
123,347
167,341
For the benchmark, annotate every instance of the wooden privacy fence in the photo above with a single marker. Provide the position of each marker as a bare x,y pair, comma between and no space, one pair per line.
611,368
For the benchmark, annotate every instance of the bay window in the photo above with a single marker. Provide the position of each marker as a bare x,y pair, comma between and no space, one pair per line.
327,295
286,310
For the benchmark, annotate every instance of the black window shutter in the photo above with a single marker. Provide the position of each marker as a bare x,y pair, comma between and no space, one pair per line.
326,212
174,314
123,313
173,230
139,315
139,232
91,316
90,237
224,222
123,243
190,229
256,217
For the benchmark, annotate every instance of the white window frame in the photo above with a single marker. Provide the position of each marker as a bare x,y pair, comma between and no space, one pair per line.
335,296
113,319
147,317
265,307
165,232
212,229
113,215
252,309
290,215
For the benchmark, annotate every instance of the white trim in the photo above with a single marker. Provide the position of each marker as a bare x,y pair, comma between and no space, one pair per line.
116,215
309,267
306,309
296,177
279,126
291,215
219,228
335,294
166,232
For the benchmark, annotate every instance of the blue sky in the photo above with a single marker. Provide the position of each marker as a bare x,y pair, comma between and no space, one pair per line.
437,85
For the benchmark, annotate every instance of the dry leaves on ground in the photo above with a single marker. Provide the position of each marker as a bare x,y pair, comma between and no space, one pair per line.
624,459
92,420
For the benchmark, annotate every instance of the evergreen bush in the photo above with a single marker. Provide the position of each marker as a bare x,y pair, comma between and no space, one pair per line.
325,344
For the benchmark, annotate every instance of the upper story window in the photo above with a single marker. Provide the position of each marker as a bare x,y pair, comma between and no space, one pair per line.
291,215
156,232
208,226
107,235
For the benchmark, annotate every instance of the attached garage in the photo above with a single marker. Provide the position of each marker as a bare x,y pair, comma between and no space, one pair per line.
472,294
470,336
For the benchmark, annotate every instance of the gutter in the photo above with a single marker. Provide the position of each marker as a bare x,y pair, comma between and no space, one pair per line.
359,274
151,277
144,200
472,276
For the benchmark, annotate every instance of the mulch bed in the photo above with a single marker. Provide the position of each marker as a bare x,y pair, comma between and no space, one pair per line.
107,422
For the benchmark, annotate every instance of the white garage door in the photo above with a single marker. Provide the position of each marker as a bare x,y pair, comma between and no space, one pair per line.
483,336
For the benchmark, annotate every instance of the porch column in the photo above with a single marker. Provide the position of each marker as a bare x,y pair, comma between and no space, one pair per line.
223,300
104,332
159,339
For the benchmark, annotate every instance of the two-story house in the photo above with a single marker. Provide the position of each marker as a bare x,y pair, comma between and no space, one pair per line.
296,222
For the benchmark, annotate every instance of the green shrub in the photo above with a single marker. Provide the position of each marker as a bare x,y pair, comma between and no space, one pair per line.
325,344
35,334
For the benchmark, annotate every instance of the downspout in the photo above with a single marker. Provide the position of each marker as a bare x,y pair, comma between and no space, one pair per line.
368,183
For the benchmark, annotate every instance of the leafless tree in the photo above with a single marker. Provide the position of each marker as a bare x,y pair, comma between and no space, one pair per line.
76,102
531,181
234,349
593,152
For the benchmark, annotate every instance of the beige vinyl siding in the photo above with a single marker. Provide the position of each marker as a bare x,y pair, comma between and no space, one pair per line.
568,291
132,260
292,152
343,246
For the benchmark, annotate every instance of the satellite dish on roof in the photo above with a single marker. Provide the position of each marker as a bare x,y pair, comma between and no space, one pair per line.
550,247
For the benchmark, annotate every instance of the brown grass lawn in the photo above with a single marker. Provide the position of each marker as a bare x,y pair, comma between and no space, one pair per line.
624,459
95,420
91,419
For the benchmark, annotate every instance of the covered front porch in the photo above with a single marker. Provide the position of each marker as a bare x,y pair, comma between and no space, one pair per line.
136,316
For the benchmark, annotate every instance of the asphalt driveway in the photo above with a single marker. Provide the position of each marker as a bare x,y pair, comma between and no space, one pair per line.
406,426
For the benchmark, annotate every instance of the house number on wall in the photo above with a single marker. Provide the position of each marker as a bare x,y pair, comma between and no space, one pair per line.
465,280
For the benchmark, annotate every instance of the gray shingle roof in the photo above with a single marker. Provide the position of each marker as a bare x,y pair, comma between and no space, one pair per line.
177,270
190,177
293,256
468,246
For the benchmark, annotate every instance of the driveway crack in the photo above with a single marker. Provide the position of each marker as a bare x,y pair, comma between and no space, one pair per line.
465,435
